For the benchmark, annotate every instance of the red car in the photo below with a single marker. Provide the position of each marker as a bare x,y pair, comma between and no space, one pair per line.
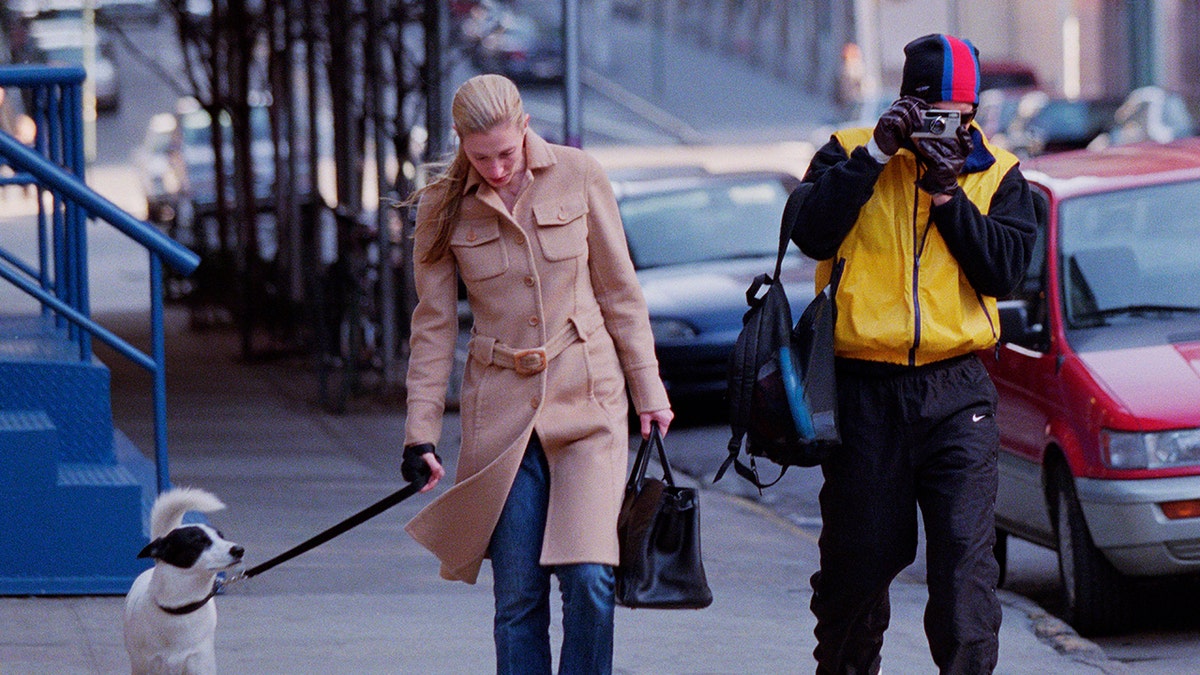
1098,373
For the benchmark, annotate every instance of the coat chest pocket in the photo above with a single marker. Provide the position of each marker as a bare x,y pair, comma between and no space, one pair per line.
478,249
562,227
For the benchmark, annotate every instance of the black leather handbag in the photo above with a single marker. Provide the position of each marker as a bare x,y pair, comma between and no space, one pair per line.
659,533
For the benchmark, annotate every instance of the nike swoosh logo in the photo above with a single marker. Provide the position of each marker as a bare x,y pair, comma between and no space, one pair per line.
976,418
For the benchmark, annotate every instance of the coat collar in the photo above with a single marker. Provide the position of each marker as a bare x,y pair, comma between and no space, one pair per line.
538,155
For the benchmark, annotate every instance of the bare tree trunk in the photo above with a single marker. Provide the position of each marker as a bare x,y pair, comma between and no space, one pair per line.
343,76
283,140
249,261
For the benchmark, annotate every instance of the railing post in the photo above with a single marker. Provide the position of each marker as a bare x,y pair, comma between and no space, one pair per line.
73,156
40,114
159,356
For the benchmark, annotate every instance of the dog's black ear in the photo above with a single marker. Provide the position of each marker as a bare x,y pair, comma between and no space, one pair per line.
152,550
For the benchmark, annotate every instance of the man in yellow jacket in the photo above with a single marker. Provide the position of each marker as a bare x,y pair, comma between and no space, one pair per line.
932,228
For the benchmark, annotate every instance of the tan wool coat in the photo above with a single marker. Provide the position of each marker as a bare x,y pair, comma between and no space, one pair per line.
559,262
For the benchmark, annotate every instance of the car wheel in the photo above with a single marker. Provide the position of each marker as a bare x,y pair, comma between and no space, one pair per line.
1000,550
1095,596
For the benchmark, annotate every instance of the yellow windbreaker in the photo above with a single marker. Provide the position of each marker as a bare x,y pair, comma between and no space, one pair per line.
903,297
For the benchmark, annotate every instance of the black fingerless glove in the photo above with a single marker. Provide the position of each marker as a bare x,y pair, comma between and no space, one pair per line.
943,159
413,468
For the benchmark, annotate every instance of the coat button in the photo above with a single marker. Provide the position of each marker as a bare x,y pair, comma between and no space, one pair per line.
533,321
470,236
529,281
520,241
534,402
562,215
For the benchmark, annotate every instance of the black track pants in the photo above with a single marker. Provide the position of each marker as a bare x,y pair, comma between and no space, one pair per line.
925,438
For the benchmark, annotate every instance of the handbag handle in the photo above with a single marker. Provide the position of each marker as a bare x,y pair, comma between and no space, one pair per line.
638,474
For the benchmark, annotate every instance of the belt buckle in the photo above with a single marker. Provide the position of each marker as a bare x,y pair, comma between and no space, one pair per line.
521,358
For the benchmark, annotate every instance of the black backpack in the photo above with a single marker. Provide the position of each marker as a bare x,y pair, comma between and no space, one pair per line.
782,393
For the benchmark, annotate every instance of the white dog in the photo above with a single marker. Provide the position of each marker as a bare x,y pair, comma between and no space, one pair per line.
170,616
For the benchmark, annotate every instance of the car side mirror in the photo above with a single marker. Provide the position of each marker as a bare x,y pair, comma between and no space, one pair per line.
1014,324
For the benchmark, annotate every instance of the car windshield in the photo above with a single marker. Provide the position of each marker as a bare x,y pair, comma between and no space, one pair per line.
1064,118
713,220
1131,255
196,125
67,55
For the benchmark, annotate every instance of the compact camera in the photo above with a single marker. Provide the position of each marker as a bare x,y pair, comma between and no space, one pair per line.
939,124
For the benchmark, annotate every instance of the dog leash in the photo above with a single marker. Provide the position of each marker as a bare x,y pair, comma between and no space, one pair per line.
331,532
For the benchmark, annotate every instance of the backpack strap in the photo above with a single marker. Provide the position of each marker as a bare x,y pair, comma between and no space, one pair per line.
835,277
790,212
742,390
750,472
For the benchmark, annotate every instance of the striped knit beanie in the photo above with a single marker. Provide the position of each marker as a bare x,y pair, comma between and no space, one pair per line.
941,68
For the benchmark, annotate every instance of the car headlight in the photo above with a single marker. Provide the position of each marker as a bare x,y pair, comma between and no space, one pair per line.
1157,450
671,330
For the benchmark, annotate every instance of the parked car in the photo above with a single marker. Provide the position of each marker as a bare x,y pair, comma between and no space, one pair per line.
147,11
59,39
997,109
1046,124
699,231
187,202
478,22
526,48
152,161
34,8
1098,375
198,161
1148,114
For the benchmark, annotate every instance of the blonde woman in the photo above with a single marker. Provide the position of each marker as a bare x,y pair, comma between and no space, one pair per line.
560,331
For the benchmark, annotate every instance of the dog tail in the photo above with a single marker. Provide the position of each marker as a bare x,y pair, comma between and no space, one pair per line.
171,505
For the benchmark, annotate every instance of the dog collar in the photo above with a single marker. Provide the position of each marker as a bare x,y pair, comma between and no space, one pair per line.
191,606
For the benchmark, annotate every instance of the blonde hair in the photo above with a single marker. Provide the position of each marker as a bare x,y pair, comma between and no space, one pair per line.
481,104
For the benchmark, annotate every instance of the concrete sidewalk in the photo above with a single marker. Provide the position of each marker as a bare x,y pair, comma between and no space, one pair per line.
370,601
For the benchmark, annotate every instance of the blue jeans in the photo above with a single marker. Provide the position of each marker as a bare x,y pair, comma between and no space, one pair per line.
522,587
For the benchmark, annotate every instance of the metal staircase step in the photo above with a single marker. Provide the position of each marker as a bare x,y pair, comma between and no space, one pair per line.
79,525
34,338
75,396
74,492
81,538
80,475
28,448
40,369
143,471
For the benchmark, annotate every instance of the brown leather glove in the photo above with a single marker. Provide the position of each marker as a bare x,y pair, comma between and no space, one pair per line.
897,123
943,159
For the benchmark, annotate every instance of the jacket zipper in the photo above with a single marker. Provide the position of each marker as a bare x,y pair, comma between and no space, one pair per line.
916,278
912,351
983,306
919,248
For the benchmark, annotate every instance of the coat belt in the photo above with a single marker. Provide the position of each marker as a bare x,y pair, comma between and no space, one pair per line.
524,361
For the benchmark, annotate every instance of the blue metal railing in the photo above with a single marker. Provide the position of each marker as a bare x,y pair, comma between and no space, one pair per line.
58,281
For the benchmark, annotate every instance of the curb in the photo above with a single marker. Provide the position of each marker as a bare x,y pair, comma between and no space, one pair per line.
1061,636
1048,628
